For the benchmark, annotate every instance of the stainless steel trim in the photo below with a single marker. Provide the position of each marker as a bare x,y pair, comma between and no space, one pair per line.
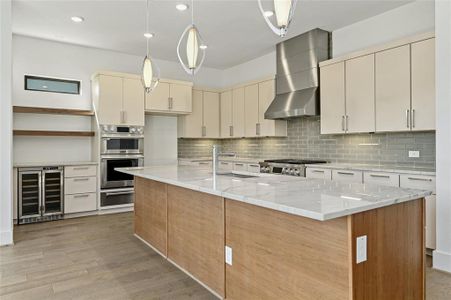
379,176
104,148
345,173
419,179
408,118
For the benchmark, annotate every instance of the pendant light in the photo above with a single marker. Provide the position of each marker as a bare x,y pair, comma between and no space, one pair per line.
284,11
195,47
149,69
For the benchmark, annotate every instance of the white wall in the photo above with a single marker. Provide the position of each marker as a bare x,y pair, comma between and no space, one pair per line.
160,143
42,57
255,69
6,209
442,254
406,20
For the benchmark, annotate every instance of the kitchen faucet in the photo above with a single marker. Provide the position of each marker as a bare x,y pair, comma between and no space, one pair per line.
216,154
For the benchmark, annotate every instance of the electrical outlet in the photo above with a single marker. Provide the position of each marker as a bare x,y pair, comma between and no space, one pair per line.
414,154
228,255
361,255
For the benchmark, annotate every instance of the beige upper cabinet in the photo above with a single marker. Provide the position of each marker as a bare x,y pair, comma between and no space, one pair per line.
251,110
332,90
393,89
171,97
118,99
359,78
109,102
226,114
133,102
238,114
203,122
158,99
423,85
211,115
266,94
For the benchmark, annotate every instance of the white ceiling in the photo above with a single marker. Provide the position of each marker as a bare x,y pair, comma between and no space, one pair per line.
234,30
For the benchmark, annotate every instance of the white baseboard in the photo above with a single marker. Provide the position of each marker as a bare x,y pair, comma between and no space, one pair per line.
441,261
6,238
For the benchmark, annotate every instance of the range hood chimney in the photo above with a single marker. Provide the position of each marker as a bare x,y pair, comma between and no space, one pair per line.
297,79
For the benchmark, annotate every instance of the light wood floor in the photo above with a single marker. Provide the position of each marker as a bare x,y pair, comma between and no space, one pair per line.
99,258
89,258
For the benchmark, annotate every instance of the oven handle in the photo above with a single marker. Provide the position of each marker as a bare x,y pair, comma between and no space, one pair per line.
120,156
119,193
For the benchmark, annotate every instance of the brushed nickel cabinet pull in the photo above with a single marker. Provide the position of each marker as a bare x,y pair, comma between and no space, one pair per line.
379,176
81,196
318,171
81,179
347,122
81,168
231,130
345,173
204,130
419,179
408,118
343,123
413,118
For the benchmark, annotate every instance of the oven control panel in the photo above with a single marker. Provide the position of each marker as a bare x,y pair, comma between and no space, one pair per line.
122,130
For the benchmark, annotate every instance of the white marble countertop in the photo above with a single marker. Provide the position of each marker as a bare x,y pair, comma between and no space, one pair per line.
53,164
376,168
311,198
250,160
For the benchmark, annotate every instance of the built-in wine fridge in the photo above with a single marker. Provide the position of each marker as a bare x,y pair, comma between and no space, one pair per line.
40,194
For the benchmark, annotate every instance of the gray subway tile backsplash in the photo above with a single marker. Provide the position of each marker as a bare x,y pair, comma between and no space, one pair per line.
305,141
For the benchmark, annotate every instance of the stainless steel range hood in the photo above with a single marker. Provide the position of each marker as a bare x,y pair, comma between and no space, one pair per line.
297,79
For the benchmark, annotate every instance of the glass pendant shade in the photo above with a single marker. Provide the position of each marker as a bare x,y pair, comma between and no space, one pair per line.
284,10
147,75
192,48
195,54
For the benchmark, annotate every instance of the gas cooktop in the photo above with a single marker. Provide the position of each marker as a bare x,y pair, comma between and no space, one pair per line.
293,167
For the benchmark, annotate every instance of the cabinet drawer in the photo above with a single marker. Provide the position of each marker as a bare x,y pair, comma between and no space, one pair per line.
225,166
80,185
254,168
239,167
347,176
420,182
381,178
315,173
80,203
80,171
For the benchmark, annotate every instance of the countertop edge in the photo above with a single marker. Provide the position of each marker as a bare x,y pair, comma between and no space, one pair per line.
371,169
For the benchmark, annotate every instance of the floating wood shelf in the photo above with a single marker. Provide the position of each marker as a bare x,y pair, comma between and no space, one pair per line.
52,133
55,111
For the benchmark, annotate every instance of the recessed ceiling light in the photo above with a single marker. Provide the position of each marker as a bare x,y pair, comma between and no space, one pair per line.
77,19
269,13
148,35
203,47
181,7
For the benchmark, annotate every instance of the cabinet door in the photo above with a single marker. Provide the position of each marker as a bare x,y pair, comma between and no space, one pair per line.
181,96
393,89
238,115
226,114
133,102
110,99
158,99
423,85
251,110
332,98
191,124
211,115
360,115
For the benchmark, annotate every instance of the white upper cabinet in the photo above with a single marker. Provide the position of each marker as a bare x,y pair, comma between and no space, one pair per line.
332,89
266,94
360,114
211,115
251,110
203,122
393,89
170,97
238,113
423,85
226,114
383,89
118,98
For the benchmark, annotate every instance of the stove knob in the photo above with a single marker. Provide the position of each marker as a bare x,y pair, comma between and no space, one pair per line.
132,129
297,173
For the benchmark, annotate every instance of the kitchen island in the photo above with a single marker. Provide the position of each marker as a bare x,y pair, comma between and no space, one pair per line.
281,237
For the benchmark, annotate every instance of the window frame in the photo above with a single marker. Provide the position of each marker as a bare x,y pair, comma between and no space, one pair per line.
40,77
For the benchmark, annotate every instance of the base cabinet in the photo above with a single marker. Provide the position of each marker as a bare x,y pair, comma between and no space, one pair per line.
80,189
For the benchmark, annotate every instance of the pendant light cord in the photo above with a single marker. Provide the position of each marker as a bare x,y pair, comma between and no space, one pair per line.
192,12
147,27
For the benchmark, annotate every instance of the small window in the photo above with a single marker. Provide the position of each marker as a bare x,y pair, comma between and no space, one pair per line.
52,85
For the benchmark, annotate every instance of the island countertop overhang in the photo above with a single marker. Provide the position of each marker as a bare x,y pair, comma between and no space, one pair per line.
311,198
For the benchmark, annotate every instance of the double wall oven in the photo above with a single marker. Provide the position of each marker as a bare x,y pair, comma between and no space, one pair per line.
120,147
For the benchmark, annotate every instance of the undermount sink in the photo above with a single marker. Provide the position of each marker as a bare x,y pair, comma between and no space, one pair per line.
238,175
